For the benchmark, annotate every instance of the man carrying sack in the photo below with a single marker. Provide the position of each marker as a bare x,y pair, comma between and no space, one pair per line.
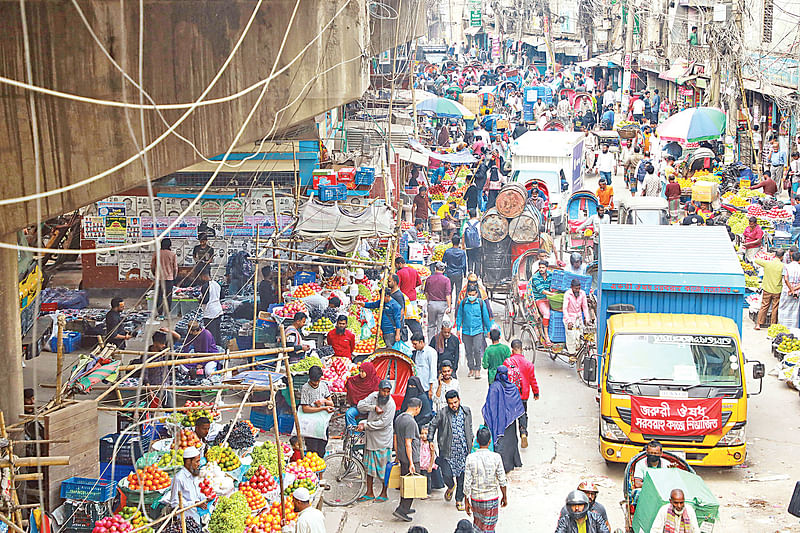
406,443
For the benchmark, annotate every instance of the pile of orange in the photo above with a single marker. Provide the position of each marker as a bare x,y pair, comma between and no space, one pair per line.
255,499
187,438
270,520
313,462
149,477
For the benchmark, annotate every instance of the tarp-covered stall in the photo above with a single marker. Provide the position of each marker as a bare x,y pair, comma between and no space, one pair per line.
319,221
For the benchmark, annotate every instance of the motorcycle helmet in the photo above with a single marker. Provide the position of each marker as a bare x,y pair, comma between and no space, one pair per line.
577,497
575,259
587,486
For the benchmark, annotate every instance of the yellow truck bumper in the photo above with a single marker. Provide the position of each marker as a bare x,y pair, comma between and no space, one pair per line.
617,452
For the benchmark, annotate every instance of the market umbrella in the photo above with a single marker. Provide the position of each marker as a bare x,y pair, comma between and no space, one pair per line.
674,149
444,107
693,125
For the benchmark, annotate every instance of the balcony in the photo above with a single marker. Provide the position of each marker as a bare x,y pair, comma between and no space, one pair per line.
695,54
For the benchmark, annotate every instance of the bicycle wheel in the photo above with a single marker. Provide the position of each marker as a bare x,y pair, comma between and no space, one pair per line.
508,318
346,478
528,344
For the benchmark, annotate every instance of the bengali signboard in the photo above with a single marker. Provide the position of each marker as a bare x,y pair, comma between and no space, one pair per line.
667,416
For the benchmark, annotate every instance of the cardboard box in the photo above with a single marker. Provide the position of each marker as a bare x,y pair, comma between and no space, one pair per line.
413,486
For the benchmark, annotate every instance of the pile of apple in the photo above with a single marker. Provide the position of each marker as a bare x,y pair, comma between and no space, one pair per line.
192,415
262,480
149,477
112,524
291,308
306,289
206,489
336,374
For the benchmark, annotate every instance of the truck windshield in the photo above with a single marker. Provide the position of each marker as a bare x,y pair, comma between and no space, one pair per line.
677,359
648,217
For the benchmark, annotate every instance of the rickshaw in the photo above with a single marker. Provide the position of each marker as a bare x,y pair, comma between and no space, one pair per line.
534,186
580,206
569,93
581,99
452,92
641,509
555,125
396,367
487,102
523,317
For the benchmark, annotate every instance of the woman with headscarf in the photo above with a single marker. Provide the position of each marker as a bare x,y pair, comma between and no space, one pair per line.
359,387
500,413
414,390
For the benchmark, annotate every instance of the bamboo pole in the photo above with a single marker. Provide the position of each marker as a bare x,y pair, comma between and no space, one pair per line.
249,365
231,387
255,288
183,513
174,409
290,385
119,381
7,521
62,321
12,465
341,261
24,462
33,476
348,259
278,446
203,359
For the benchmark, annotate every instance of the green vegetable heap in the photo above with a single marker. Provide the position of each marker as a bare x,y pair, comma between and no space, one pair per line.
230,514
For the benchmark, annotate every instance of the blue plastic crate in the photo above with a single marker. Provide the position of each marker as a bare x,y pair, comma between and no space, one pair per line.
332,193
783,226
120,471
556,330
365,176
131,448
560,280
72,341
82,488
264,421
782,242
304,276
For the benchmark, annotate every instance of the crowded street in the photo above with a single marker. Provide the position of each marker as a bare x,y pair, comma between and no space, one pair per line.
403,266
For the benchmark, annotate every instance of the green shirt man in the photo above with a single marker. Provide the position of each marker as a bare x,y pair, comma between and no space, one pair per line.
495,354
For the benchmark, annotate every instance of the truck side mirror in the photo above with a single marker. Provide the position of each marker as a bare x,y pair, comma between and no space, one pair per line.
758,371
590,370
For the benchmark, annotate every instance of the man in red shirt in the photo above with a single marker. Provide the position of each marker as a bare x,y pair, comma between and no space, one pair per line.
422,205
522,374
409,278
342,339
673,193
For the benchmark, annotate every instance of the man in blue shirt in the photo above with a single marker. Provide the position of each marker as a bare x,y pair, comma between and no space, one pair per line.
655,106
608,118
472,320
777,161
455,260
391,319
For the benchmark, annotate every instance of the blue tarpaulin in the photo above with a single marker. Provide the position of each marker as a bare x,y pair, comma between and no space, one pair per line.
463,157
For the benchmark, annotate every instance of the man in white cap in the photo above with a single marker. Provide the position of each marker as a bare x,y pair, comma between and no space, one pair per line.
186,484
309,519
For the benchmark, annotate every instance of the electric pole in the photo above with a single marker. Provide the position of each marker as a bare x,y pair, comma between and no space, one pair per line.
547,21
626,75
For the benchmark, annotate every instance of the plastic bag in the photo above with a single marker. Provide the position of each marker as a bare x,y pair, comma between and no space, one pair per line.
402,347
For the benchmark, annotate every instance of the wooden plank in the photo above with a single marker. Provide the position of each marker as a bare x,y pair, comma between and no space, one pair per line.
78,425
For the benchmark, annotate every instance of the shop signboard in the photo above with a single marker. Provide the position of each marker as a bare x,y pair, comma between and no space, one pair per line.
778,70
233,212
114,209
475,15
210,210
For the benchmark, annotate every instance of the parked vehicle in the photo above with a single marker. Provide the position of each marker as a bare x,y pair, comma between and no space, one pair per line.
671,365
644,211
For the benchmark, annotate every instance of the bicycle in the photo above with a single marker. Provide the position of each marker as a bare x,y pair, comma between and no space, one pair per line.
345,475
532,338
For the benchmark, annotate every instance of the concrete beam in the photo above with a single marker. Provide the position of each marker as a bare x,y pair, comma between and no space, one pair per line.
185,43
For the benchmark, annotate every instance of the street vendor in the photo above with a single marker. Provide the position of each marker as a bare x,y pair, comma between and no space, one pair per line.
380,409
767,185
200,340
201,428
186,484
448,213
341,339
753,239
295,339
537,292
315,397
605,194
675,516
391,319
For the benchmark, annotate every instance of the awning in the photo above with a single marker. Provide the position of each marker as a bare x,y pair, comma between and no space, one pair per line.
407,154
679,72
533,40
462,157
474,30
570,48
770,90
603,60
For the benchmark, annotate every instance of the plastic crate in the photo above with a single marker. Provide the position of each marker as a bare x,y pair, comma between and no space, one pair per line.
82,488
81,516
556,330
561,280
120,471
782,242
783,226
265,421
72,341
365,176
333,193
131,448
304,276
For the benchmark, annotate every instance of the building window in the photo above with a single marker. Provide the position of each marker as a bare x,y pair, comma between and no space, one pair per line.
766,26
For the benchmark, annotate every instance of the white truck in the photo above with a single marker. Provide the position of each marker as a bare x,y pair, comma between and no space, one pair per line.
555,157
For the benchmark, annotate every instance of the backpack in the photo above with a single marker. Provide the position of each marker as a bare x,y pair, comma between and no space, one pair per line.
640,171
493,174
514,374
472,237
